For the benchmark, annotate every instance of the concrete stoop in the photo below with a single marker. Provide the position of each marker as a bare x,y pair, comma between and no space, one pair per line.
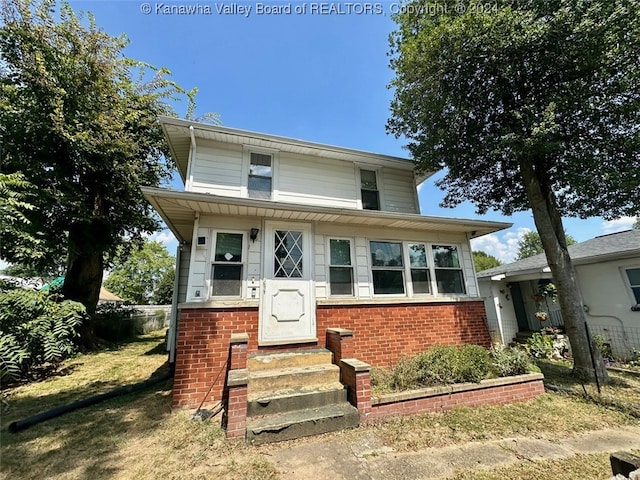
295,394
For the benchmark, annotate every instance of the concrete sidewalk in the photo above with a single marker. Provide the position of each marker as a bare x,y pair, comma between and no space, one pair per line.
366,458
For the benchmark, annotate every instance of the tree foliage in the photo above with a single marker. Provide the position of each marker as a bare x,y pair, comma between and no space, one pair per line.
530,244
527,105
141,279
36,329
79,120
484,261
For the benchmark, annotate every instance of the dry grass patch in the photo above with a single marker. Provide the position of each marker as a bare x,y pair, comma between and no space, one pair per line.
133,436
585,466
550,416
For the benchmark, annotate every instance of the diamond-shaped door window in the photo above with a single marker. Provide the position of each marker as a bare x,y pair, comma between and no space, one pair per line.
288,254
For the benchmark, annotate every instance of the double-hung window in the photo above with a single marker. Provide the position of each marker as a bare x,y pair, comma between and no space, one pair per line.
340,267
387,265
226,271
260,175
369,190
633,275
420,277
449,278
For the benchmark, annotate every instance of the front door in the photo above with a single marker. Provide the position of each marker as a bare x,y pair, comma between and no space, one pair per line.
287,309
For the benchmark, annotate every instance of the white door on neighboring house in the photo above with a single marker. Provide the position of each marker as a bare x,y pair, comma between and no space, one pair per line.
287,308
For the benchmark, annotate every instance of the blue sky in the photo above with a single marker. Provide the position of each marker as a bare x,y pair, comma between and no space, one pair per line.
320,77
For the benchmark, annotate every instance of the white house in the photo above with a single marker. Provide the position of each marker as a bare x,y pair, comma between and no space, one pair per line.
608,272
282,239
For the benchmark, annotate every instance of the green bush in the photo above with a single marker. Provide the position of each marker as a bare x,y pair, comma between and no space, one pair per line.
509,361
36,329
437,365
440,365
473,362
603,346
540,346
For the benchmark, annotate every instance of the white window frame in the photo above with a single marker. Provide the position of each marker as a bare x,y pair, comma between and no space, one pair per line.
378,172
243,263
246,164
352,266
409,290
402,269
627,282
460,269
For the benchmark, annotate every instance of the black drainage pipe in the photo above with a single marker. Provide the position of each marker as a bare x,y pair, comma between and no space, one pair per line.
56,412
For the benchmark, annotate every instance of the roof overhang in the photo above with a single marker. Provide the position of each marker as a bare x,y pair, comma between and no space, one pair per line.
178,133
178,210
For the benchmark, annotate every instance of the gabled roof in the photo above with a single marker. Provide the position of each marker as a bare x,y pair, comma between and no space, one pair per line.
178,209
178,133
605,247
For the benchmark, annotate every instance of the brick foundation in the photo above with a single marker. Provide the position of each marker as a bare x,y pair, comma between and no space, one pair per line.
382,333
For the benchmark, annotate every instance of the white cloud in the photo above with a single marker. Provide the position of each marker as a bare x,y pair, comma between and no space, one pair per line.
167,238
502,245
618,225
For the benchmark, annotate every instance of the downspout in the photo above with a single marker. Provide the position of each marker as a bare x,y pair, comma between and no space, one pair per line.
173,325
192,155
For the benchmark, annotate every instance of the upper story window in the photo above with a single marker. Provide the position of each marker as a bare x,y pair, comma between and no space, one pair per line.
226,274
340,267
449,278
633,275
369,189
260,175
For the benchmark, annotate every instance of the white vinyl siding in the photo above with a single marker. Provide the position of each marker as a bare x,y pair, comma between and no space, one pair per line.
217,169
316,181
399,191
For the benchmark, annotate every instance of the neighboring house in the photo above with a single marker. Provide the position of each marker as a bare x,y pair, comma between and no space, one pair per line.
106,297
282,239
608,272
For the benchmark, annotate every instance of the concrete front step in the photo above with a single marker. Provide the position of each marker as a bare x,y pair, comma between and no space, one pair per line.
303,358
301,423
269,382
296,400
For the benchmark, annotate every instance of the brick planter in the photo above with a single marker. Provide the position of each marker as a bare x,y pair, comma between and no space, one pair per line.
496,391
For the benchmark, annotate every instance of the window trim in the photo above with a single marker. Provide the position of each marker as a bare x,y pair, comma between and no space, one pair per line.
378,172
409,291
243,263
246,166
629,285
455,269
352,266
402,269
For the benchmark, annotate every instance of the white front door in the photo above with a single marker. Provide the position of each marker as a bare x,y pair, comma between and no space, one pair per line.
287,309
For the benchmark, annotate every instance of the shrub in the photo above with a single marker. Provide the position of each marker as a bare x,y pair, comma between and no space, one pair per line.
436,365
603,346
36,329
540,346
473,362
509,361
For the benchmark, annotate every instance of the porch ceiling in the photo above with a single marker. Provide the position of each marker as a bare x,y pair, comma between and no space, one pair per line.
178,209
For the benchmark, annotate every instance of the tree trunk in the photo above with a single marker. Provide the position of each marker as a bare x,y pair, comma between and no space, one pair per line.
549,224
83,279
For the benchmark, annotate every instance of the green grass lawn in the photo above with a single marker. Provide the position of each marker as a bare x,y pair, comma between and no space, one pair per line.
137,436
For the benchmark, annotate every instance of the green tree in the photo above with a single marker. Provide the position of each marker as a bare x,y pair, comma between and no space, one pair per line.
483,261
79,120
636,225
163,294
137,279
15,204
527,105
530,244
